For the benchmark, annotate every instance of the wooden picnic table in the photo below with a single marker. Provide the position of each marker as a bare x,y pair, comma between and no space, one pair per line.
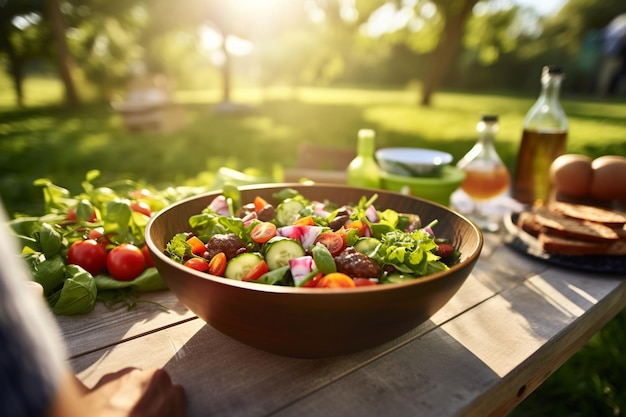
512,324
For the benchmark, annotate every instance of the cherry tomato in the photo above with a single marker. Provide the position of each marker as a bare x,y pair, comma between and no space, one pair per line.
125,262
88,254
98,235
263,232
312,283
197,246
217,265
71,216
333,241
146,256
259,203
142,193
199,264
256,272
364,282
335,280
141,207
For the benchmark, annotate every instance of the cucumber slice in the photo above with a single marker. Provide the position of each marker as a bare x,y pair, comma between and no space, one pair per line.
238,267
366,245
279,250
397,278
288,211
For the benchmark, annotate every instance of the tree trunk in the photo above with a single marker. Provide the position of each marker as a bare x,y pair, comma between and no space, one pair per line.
15,69
17,73
226,71
64,59
448,47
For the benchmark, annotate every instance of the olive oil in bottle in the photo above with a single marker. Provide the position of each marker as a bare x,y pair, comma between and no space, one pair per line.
544,138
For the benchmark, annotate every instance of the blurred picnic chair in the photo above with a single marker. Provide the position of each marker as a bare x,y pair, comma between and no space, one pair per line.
149,105
320,164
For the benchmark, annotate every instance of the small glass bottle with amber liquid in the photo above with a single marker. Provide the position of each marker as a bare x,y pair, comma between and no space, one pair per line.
543,140
486,176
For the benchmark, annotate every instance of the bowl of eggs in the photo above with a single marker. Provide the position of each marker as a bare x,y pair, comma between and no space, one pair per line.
579,178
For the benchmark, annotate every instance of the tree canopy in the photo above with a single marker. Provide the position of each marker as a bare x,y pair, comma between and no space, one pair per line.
438,43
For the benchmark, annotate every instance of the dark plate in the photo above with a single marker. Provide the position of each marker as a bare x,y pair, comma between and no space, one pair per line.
528,245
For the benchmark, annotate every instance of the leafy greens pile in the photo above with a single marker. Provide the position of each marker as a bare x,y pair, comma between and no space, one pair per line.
45,240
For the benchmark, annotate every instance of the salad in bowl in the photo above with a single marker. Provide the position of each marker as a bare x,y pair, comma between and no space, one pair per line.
300,242
312,270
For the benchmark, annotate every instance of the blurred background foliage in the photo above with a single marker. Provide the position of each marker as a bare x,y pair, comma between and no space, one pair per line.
96,46
417,71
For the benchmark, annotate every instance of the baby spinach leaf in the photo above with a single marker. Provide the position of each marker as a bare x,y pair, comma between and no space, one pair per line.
49,272
149,280
50,240
78,295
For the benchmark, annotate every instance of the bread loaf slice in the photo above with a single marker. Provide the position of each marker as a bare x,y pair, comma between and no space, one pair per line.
526,221
564,246
617,248
607,217
557,224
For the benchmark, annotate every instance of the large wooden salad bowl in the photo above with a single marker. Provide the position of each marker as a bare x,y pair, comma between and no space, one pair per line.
314,322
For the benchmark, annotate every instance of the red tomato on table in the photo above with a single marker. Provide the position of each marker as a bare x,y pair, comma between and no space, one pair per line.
146,256
98,235
141,207
88,254
125,262
71,216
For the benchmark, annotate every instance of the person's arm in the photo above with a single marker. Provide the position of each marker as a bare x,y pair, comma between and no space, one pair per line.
129,392
35,378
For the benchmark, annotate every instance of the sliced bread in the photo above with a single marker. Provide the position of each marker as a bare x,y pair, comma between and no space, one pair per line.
560,225
605,216
565,246
526,221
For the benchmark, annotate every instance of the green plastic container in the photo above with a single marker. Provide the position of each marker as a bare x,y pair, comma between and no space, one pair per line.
437,189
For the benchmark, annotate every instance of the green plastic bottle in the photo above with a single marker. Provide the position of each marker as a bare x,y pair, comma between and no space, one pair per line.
363,170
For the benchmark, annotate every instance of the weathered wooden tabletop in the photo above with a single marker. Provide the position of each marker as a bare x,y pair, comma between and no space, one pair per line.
514,322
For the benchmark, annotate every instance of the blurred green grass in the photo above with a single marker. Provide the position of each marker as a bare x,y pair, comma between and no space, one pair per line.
46,140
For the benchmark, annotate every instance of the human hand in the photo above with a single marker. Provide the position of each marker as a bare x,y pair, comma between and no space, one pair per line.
133,392
35,287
